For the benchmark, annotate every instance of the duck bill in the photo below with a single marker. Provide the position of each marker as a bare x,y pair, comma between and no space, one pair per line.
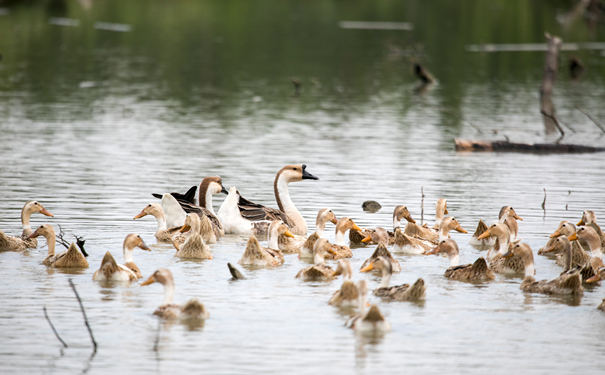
185,228
332,251
287,233
573,237
334,220
148,281
446,211
548,249
484,235
357,228
508,254
224,191
367,239
367,268
594,279
434,250
140,215
409,218
556,234
308,176
34,235
45,212
460,229
143,246
581,222
517,217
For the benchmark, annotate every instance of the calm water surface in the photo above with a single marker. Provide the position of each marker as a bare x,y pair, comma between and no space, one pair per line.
94,121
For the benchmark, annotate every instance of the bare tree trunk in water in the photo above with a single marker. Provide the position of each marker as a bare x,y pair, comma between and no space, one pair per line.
549,79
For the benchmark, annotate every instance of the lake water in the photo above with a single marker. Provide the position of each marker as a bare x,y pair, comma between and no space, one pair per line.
93,121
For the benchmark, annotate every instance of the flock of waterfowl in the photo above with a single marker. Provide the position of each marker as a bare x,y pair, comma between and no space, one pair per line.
191,227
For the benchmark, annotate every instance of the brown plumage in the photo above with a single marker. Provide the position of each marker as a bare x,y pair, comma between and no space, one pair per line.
409,245
478,271
194,247
25,241
72,258
347,295
398,292
382,251
111,270
320,270
414,230
589,218
257,255
162,233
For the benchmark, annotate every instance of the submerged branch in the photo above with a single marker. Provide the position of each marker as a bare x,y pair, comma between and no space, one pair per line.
53,327
591,118
94,343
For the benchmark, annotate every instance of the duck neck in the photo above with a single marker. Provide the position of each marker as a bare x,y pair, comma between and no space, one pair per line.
161,219
386,277
318,258
320,228
503,241
273,240
168,293
444,232
362,303
454,260
127,251
339,238
594,244
51,241
396,222
25,215
530,270
285,204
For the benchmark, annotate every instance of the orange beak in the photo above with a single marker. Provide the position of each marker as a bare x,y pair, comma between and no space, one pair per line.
573,237
434,250
367,268
508,254
331,251
409,218
45,212
34,235
581,222
484,235
185,228
150,280
143,246
446,211
143,213
334,220
287,233
548,249
594,279
556,234
356,227
367,239
460,229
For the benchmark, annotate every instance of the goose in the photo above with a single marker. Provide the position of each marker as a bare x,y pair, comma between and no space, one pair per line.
256,255
162,233
194,246
505,213
193,309
239,215
497,263
579,257
380,236
478,271
320,271
568,283
72,258
111,270
400,292
589,218
323,216
367,321
347,295
14,243
589,236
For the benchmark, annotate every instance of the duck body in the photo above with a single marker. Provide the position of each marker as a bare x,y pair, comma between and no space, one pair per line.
589,235
112,271
381,250
403,292
320,271
347,295
163,233
476,272
497,263
323,216
405,244
194,246
72,258
25,241
256,255
367,321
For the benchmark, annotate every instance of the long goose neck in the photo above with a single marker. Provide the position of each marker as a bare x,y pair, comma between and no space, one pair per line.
168,292
285,204
205,197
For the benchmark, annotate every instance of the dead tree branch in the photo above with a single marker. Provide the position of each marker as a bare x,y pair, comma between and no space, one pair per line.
53,327
94,343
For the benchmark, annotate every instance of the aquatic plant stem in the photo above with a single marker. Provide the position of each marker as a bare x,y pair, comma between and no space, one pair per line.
94,343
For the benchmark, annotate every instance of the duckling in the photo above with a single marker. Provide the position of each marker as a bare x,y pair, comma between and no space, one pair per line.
589,218
193,309
498,264
370,321
194,246
256,255
13,243
478,271
579,257
380,236
568,283
320,271
401,292
162,233
591,238
72,258
323,216
347,295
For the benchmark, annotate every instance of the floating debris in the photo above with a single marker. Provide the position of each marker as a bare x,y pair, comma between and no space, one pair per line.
367,25
531,47
60,21
235,272
371,206
119,27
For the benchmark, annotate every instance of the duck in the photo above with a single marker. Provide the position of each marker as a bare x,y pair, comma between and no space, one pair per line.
497,263
72,258
589,218
411,245
367,321
505,213
400,212
163,233
380,236
476,272
193,309
194,246
400,292
23,242
347,295
111,270
320,271
440,212
256,255
590,236
579,257
240,215
339,247
567,283
323,216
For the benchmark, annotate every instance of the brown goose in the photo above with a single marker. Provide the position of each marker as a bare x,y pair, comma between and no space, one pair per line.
13,243
380,236
347,295
320,271
72,258
399,292
193,309
239,215
323,216
568,283
478,271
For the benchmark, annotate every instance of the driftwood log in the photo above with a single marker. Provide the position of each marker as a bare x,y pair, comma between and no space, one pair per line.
506,146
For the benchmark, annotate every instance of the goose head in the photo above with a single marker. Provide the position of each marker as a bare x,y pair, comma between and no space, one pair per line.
32,207
134,240
213,184
344,268
588,217
154,209
45,230
294,173
378,235
565,229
